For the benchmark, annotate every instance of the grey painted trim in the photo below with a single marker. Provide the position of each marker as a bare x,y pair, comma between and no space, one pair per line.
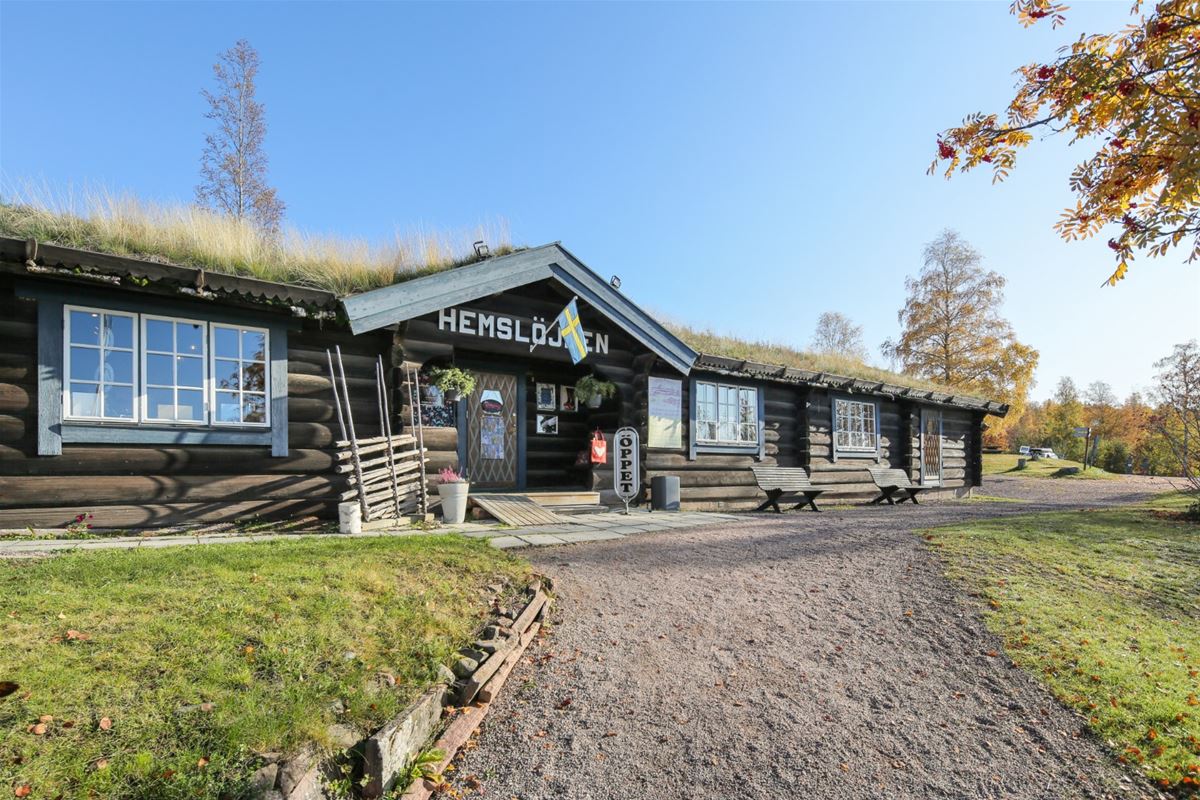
758,450
122,434
52,431
835,454
522,430
415,298
50,372
279,391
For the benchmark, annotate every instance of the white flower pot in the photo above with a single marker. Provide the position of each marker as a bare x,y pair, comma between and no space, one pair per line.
454,502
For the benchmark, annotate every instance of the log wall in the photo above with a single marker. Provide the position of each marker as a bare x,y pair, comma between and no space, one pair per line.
155,485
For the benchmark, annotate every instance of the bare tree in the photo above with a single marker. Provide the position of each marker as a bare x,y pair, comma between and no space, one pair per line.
233,164
1178,417
838,335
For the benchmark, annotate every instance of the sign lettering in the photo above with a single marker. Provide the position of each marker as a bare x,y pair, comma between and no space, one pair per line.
626,469
505,328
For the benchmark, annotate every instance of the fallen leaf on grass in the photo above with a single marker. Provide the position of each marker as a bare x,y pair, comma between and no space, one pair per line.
37,730
105,724
202,762
23,790
100,763
8,687
77,636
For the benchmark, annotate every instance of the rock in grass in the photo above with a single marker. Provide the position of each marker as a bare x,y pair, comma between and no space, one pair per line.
342,736
264,778
470,652
465,667
445,675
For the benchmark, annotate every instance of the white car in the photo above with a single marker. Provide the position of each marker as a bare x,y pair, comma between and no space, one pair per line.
1043,452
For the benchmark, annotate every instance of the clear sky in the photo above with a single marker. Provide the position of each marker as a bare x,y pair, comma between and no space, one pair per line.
741,166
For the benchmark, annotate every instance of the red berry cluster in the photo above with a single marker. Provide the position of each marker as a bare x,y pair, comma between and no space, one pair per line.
945,150
1045,72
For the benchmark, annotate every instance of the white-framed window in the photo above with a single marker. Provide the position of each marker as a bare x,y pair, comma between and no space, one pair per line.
239,375
173,368
726,415
100,364
148,368
855,426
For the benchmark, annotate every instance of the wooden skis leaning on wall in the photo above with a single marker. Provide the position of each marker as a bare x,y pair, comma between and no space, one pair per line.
385,473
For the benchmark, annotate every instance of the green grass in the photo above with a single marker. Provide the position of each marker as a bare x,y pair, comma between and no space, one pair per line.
1006,464
1104,608
270,634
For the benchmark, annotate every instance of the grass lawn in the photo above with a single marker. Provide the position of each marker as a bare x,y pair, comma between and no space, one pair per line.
119,654
1006,464
1104,608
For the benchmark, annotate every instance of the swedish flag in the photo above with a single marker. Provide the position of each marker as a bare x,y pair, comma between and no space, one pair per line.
572,332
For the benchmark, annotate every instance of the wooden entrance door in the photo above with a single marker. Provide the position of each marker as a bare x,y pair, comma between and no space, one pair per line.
931,448
492,417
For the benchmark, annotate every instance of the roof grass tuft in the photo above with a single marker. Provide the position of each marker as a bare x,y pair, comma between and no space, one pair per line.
188,236
708,341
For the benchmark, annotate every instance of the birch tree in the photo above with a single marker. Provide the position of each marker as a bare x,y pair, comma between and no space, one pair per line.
233,164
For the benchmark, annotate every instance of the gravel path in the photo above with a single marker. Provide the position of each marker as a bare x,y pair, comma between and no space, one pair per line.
778,659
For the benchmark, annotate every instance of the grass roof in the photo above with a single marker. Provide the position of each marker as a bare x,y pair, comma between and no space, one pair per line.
712,343
188,236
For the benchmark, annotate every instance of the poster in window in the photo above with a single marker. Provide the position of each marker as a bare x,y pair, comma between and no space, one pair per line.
567,399
547,424
665,428
491,425
545,396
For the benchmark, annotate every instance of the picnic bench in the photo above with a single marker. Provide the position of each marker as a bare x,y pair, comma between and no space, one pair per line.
894,483
791,482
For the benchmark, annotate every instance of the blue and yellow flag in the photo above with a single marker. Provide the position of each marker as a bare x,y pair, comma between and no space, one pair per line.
572,332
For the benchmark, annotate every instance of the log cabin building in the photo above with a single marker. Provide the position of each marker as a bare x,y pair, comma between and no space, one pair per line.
152,394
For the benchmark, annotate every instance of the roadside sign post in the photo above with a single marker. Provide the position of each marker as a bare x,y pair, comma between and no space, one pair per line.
1085,433
626,468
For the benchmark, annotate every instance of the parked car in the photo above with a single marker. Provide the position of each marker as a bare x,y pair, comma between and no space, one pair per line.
1043,452
1023,450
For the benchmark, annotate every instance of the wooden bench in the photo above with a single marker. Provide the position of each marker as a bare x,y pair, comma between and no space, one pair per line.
894,483
791,482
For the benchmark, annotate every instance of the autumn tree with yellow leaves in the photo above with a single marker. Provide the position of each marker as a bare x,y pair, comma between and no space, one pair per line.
1136,94
952,331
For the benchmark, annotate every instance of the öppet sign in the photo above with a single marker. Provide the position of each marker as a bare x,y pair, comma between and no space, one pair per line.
626,469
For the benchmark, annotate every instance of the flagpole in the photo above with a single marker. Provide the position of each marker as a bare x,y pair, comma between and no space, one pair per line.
573,299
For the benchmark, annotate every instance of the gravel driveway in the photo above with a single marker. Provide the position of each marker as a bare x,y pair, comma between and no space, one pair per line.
803,656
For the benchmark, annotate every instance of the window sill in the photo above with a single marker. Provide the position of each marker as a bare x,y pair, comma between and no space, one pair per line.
871,454
712,447
76,433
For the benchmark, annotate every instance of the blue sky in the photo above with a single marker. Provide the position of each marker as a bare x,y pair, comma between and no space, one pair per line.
741,166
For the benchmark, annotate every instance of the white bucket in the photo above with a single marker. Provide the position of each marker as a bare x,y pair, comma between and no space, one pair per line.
349,517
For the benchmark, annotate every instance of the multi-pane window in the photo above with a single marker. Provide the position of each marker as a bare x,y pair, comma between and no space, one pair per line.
855,425
154,369
173,369
240,375
100,364
726,414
